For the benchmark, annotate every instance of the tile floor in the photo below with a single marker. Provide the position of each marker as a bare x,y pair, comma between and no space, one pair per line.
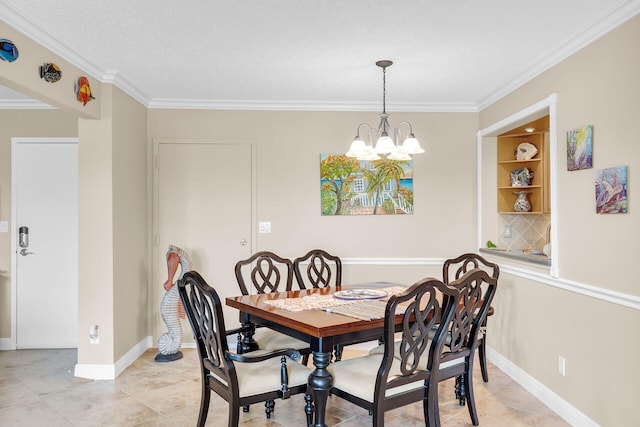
37,388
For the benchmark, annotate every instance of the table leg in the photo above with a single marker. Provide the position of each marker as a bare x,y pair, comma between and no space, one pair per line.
320,383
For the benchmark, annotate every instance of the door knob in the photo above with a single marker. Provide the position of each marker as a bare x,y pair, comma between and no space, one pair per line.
24,252
243,242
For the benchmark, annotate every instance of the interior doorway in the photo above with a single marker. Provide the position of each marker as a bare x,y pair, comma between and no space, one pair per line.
203,203
45,242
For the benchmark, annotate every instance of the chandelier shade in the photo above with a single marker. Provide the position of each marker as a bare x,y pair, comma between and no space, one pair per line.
388,140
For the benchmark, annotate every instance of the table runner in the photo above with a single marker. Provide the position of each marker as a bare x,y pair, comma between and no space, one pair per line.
361,309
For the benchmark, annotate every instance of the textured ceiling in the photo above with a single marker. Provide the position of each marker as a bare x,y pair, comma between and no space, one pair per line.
449,55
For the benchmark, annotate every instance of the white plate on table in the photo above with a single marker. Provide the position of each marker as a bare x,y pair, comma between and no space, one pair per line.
360,294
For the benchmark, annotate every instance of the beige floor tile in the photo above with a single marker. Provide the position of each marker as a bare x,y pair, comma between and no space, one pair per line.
37,388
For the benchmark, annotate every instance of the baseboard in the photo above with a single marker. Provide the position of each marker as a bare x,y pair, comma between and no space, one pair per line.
7,344
558,405
111,371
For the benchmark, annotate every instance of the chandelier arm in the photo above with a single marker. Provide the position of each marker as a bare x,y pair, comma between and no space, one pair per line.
358,129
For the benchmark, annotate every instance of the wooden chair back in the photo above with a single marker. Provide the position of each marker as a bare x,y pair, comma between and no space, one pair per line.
318,269
264,272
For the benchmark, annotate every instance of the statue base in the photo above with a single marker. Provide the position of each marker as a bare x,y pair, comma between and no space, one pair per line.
168,357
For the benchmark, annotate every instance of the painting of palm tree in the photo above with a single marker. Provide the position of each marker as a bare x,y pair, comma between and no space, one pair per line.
352,187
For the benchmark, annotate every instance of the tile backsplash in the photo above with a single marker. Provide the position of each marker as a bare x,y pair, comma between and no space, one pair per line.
527,231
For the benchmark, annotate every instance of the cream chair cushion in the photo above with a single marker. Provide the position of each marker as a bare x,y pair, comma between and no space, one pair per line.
357,376
422,364
268,339
262,377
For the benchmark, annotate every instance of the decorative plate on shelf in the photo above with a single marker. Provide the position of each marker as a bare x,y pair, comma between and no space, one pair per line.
360,294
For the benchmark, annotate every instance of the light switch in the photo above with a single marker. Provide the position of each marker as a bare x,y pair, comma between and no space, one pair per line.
264,227
4,226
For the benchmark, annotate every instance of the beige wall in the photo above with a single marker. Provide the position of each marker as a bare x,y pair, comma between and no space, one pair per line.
21,123
113,225
288,179
534,322
288,148
130,223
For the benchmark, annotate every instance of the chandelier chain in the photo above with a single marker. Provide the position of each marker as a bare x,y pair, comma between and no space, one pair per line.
384,90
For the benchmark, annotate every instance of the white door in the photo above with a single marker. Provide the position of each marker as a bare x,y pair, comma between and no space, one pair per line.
204,205
45,201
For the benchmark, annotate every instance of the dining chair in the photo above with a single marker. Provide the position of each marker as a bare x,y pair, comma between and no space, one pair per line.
402,373
265,272
318,269
477,290
455,267
241,380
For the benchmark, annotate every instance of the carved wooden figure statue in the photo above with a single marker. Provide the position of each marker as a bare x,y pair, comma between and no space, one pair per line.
171,308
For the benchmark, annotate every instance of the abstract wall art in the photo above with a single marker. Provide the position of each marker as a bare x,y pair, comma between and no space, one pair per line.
611,190
580,148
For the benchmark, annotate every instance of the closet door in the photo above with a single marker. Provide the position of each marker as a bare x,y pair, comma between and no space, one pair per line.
204,204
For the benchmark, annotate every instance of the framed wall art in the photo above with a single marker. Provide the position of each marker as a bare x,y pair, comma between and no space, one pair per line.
611,190
580,148
353,187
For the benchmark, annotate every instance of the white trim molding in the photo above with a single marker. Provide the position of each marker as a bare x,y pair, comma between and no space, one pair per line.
111,371
7,344
393,261
556,403
547,105
626,300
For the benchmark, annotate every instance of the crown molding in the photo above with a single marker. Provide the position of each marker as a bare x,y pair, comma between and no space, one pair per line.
284,105
24,104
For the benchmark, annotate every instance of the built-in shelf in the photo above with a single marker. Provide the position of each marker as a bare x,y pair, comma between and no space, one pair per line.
507,163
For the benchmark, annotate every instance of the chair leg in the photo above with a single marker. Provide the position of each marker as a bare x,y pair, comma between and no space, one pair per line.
204,404
460,389
234,414
482,352
378,416
430,406
471,402
337,353
269,405
308,408
305,359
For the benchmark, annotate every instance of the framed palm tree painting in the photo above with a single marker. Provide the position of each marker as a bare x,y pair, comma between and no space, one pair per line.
353,187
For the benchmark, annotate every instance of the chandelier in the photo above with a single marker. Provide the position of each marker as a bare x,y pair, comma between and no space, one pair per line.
388,141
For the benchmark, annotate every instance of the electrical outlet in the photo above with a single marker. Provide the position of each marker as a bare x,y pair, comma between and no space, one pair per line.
507,231
561,365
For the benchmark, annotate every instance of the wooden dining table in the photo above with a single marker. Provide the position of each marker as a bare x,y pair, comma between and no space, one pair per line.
321,329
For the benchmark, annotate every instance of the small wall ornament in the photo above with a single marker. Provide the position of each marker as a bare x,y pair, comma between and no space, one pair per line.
83,90
521,177
8,50
50,72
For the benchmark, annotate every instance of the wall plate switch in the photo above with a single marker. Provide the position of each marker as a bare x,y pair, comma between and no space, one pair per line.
4,226
561,365
264,227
